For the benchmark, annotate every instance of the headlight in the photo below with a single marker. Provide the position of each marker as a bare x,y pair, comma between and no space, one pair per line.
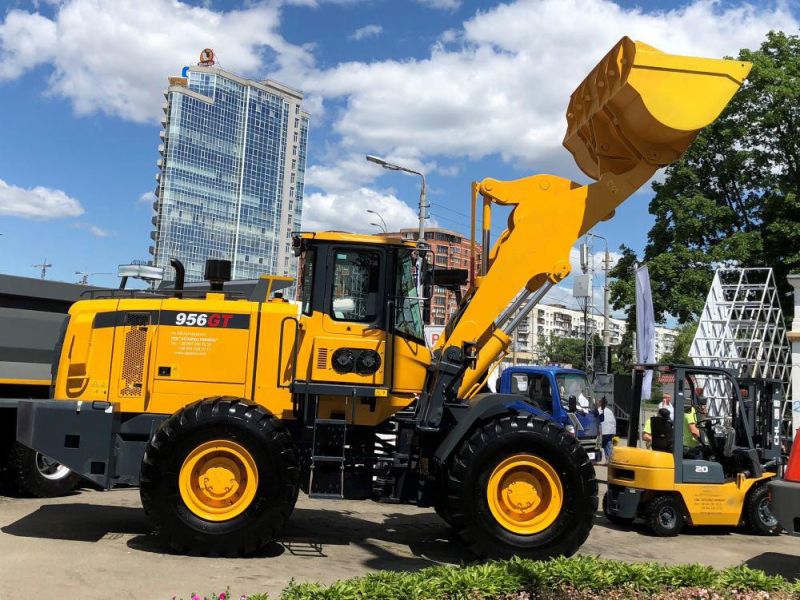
570,429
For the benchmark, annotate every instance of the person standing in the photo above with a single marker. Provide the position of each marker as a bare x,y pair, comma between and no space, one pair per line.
608,427
666,402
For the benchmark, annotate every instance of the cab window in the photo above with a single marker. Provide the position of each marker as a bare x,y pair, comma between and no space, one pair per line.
306,280
575,384
534,386
356,276
408,312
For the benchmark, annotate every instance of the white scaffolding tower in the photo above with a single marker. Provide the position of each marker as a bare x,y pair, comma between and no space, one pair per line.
742,328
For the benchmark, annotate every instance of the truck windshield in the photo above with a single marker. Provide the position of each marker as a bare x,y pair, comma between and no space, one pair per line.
575,384
408,312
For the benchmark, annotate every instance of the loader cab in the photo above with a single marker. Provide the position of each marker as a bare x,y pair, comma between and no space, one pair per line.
360,315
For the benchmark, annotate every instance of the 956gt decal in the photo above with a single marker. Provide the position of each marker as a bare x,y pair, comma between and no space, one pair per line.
205,319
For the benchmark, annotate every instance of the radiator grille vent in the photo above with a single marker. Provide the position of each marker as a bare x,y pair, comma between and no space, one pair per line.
133,357
322,358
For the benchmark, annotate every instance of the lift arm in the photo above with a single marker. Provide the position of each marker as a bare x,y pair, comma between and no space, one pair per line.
637,111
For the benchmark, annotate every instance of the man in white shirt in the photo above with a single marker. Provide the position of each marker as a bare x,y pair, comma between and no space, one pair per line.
667,403
608,426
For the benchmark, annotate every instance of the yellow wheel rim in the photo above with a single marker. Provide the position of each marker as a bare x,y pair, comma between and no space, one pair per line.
218,480
525,494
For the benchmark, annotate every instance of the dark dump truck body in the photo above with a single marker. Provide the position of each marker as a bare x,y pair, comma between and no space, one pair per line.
32,313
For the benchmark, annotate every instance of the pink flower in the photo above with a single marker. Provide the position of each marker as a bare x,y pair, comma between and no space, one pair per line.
222,596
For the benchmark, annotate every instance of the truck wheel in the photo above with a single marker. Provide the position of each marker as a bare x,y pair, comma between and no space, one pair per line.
757,515
666,516
612,517
521,486
220,477
29,473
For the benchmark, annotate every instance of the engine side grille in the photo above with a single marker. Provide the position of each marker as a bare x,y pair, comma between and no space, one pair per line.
322,358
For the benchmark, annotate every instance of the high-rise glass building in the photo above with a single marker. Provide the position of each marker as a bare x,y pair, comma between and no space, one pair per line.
230,179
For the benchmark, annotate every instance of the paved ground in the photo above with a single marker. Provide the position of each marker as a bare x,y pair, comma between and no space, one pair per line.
96,545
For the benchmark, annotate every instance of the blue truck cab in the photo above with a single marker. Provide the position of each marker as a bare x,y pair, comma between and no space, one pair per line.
550,390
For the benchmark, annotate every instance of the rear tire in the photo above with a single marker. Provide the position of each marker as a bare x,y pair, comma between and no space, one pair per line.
665,516
229,428
29,473
612,517
441,510
569,506
758,517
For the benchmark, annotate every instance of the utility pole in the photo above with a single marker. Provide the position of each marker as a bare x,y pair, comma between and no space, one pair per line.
606,292
423,214
43,266
588,348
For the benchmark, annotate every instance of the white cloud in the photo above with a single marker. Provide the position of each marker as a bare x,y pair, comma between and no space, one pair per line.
37,203
368,31
483,94
347,211
441,4
146,199
93,229
114,57
26,40
596,258
476,94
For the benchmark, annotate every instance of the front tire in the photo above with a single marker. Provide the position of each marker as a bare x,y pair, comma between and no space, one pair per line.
521,486
220,477
29,473
665,516
758,517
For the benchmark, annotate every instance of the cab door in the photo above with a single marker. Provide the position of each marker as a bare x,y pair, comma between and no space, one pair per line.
351,347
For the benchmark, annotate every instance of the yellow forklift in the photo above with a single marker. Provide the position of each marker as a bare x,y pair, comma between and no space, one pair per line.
701,468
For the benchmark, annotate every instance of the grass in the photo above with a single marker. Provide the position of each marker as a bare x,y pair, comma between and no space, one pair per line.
576,578
560,578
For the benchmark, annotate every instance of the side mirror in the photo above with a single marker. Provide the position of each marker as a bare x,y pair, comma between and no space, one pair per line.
573,404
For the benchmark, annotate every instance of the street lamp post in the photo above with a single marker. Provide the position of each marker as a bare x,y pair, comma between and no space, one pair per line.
382,224
423,200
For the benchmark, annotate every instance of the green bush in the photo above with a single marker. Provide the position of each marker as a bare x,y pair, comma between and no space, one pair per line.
507,579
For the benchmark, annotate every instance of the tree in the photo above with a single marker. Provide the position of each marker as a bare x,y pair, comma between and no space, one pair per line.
567,350
734,197
683,343
623,297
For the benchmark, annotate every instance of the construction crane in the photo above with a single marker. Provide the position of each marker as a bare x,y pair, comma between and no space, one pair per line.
222,408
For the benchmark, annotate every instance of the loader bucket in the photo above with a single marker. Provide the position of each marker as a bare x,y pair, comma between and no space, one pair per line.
642,105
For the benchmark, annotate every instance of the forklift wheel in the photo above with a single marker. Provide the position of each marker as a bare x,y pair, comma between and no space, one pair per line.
521,486
220,477
612,517
666,516
757,514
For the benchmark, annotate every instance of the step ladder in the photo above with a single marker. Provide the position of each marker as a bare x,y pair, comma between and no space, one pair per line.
328,456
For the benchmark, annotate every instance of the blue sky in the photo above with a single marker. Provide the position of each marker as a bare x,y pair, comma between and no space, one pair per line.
461,89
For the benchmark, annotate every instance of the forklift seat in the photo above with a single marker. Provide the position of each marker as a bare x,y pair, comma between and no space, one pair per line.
663,433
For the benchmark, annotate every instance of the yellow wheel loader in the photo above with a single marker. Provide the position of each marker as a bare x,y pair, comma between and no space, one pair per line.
222,408
701,468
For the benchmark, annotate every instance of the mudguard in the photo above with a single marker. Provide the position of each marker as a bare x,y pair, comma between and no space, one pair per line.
481,408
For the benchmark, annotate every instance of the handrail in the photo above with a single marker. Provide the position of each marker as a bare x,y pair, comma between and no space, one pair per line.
294,352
